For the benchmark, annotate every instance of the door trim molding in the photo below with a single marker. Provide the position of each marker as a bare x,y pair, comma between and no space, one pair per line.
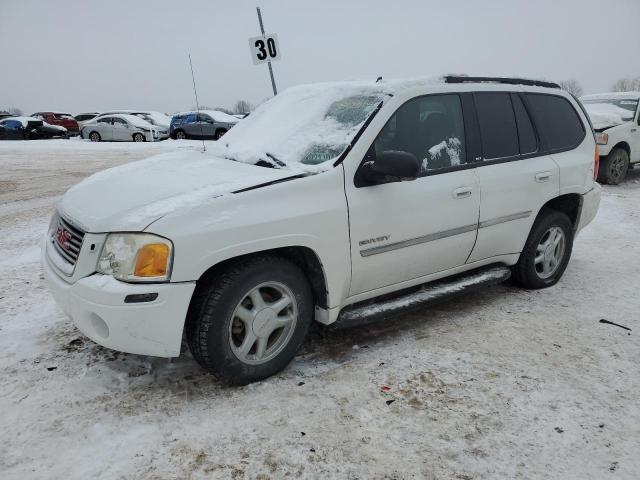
367,252
504,219
418,240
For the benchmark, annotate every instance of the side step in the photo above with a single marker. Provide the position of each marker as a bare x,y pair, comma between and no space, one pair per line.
373,310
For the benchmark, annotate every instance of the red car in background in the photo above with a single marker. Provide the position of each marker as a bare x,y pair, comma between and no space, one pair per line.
62,119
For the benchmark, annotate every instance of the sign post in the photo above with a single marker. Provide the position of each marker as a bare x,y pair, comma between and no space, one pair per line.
265,49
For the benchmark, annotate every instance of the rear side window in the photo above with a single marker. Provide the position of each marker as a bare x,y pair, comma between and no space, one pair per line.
557,121
526,134
497,125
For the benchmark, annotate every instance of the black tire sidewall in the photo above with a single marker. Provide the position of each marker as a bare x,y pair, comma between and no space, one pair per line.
97,136
526,274
138,135
220,359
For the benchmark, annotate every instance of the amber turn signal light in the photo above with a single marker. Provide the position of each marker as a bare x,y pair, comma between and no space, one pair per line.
152,260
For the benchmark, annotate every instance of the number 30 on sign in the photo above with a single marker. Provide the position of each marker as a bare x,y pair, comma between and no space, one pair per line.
264,48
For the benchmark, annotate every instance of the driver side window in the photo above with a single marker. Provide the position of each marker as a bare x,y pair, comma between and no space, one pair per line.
431,128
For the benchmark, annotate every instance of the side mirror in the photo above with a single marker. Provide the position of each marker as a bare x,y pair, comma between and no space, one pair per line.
391,166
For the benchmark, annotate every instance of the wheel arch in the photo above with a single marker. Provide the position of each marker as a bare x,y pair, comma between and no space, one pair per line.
569,204
304,257
623,145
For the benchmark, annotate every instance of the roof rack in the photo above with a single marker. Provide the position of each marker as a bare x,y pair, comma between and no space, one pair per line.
507,80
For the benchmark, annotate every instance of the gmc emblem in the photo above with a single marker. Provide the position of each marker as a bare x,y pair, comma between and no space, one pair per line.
63,237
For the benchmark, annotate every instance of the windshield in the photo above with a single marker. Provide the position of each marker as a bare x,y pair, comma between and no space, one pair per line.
304,127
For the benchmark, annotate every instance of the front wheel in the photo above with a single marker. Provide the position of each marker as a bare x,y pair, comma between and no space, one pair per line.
219,133
95,137
547,251
180,135
246,323
614,168
138,137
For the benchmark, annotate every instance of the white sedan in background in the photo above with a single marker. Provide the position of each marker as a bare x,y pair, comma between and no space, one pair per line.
122,128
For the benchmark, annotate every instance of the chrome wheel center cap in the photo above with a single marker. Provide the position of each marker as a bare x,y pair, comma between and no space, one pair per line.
263,318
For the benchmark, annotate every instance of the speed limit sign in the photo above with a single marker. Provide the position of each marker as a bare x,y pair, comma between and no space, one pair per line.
264,48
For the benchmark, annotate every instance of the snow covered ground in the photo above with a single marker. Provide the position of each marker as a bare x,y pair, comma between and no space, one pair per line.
504,383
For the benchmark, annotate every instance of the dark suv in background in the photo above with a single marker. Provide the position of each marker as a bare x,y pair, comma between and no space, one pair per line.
209,124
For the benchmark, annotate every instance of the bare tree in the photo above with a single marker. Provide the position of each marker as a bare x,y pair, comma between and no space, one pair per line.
14,111
626,85
572,86
242,106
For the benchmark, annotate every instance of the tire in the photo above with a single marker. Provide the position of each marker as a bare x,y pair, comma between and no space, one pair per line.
180,135
95,137
217,335
614,168
219,133
138,137
540,267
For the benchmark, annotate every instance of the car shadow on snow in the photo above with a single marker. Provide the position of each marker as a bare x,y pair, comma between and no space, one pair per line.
323,345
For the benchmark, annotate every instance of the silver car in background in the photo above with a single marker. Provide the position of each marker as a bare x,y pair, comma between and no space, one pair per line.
122,128
209,124
157,119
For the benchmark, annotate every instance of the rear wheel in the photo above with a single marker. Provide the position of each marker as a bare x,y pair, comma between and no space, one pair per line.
547,251
246,323
138,137
95,137
180,135
614,168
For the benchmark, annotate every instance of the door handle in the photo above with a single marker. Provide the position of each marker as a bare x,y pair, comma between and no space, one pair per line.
462,192
543,176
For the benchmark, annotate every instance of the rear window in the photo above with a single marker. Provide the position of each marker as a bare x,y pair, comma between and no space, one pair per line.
557,121
497,125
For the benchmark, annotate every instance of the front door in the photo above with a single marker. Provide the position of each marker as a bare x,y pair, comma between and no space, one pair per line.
404,230
121,130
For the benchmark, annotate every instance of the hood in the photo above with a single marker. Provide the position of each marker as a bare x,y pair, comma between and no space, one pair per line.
605,116
132,196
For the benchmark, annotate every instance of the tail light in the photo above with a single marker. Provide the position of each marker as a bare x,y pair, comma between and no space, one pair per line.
596,164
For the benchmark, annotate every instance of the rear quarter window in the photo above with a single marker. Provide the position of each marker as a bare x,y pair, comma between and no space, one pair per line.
558,123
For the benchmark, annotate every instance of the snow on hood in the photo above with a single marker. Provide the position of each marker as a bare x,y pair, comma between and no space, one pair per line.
219,116
132,196
605,115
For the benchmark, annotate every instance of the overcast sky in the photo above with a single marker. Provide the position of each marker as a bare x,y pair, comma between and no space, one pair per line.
79,55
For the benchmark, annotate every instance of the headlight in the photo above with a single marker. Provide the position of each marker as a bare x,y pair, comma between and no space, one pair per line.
602,138
136,257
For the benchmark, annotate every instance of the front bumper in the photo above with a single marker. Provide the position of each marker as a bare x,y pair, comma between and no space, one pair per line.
96,306
589,207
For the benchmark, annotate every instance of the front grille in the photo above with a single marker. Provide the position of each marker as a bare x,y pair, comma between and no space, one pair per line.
67,240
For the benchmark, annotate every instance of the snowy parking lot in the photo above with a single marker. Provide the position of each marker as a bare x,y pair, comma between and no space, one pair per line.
502,383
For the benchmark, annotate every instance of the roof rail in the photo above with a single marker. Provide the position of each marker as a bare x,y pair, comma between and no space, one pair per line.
507,80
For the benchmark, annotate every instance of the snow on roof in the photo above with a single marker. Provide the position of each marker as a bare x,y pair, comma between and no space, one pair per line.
217,115
612,95
133,119
24,120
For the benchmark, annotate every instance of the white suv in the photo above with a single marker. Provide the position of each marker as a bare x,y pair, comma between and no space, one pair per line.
616,120
331,202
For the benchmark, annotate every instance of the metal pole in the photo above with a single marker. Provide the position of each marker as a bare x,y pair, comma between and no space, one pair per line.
273,80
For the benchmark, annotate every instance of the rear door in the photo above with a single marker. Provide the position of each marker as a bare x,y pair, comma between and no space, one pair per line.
403,231
516,176
206,123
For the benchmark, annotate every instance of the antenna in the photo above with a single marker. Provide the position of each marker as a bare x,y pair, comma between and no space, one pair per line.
195,93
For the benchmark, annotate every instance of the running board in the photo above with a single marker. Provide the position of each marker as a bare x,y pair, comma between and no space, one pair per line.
371,311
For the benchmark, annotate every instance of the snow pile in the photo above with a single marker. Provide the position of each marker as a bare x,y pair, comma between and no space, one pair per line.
607,115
